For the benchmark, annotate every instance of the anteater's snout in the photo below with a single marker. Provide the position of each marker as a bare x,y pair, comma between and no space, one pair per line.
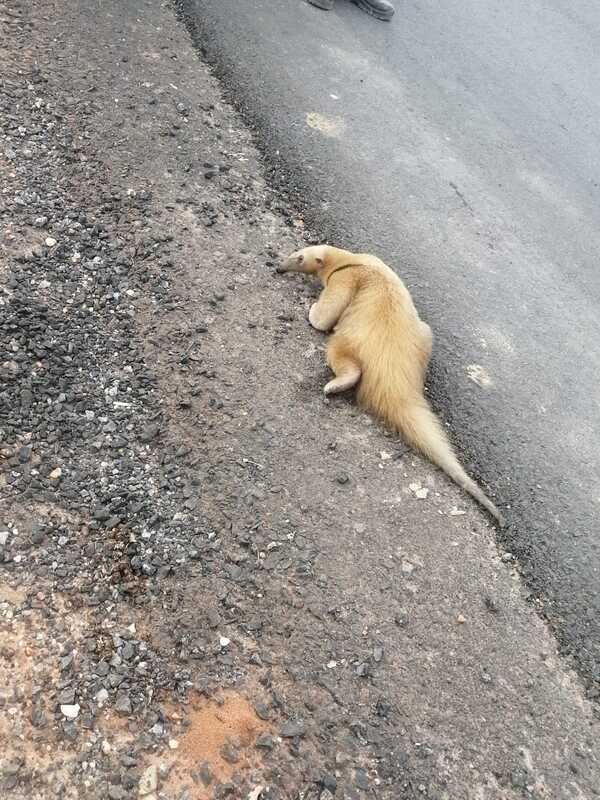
287,265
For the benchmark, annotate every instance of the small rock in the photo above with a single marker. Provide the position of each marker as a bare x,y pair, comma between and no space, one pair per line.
229,754
123,704
262,711
205,773
460,619
70,711
293,728
150,432
101,697
50,242
362,670
128,651
420,492
518,779
342,478
148,781
67,697
265,741
383,708
224,642
329,782
491,604
361,779
456,512
55,474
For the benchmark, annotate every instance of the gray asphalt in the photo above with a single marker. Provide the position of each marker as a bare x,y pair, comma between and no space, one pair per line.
461,143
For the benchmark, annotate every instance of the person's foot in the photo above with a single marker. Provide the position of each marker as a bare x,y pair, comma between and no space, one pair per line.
326,5
381,9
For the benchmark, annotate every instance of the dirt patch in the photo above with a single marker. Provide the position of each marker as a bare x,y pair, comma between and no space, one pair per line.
216,740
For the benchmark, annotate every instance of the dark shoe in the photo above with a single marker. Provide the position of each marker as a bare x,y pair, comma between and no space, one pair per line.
326,5
377,8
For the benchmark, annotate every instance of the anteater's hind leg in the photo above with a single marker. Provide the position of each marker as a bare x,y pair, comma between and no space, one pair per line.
346,368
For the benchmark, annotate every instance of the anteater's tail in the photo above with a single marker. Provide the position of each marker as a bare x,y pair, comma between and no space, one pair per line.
423,431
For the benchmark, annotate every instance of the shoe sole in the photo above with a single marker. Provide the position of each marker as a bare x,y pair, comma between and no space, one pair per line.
323,4
382,15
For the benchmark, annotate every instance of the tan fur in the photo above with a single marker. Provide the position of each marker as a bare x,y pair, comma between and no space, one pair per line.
380,343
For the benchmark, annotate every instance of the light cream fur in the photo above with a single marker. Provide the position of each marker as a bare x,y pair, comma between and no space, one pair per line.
380,344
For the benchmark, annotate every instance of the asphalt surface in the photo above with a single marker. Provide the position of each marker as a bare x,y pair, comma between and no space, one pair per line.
460,143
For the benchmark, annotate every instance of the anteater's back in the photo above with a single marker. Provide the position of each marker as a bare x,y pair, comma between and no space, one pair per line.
382,329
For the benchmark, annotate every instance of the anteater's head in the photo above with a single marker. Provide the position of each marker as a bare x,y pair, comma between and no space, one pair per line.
310,260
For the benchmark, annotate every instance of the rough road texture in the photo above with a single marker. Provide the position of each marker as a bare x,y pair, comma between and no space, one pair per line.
213,582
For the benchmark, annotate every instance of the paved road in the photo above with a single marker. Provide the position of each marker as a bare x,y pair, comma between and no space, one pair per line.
461,143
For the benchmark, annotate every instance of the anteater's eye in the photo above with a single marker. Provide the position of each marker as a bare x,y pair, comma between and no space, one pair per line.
300,258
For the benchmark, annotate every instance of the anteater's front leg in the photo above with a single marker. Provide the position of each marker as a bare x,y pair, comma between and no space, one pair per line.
329,307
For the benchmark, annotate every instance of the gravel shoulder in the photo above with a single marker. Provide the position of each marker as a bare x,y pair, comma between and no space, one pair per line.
214,583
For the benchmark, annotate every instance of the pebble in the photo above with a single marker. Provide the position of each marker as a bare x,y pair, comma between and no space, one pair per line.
50,242
265,741
123,704
71,712
67,698
329,782
456,512
229,753
362,670
361,779
205,773
150,432
148,781
262,711
101,697
377,653
293,728
420,492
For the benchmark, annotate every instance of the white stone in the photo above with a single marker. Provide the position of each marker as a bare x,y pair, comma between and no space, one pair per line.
70,712
149,781
101,697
